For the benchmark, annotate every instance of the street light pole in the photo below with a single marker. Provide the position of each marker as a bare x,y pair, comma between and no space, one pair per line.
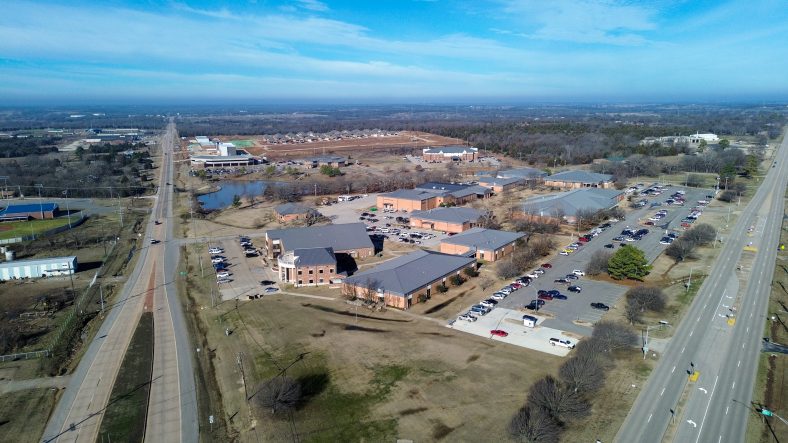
689,280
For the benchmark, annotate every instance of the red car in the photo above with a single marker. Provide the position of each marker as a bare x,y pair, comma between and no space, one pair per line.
499,332
547,265
545,297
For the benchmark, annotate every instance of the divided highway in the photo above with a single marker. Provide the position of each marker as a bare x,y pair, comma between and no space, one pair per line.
172,412
726,356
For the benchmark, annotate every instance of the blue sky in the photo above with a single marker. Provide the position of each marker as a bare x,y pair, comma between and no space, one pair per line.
392,51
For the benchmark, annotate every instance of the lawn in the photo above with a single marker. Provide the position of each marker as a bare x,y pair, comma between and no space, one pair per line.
24,414
22,228
242,143
124,418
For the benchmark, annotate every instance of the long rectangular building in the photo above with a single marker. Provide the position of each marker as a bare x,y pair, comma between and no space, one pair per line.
347,238
45,267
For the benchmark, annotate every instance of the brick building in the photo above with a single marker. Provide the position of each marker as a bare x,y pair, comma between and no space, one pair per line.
564,206
308,267
484,244
290,212
449,220
348,238
499,185
579,179
431,195
450,153
400,282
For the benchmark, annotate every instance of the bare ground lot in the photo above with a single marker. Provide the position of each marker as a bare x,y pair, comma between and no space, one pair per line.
373,377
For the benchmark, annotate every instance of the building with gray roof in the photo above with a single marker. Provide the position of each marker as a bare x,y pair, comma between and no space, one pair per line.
524,173
289,212
347,238
484,244
579,179
498,184
564,206
401,281
450,220
431,195
450,153
308,266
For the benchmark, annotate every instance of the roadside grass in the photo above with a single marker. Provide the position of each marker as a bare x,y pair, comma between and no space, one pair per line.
23,228
126,413
24,414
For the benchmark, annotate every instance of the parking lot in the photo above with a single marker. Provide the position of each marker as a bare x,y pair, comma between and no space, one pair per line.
536,338
575,314
246,273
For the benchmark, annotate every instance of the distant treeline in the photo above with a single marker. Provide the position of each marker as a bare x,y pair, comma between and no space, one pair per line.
20,147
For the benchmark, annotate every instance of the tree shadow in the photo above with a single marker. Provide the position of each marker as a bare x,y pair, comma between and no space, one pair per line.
312,385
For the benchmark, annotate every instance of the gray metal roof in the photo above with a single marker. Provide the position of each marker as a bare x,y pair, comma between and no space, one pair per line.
451,150
450,215
484,239
409,273
580,177
314,256
340,237
413,194
493,181
522,173
293,208
569,202
39,262
471,190
438,187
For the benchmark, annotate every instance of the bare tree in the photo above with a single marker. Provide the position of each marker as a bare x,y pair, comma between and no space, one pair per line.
701,234
642,299
582,373
506,269
613,336
598,262
534,425
680,250
278,394
562,403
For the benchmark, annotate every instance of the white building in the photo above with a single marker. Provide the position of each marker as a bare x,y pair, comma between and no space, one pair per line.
45,267
709,138
227,149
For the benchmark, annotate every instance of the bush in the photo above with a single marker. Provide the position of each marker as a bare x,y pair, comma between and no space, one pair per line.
727,196
470,272
456,280
441,288
278,394
506,269
597,264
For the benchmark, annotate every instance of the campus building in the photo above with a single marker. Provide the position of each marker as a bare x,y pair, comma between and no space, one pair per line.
483,244
291,212
431,195
449,220
308,267
38,211
401,281
564,206
349,238
579,179
45,267
450,153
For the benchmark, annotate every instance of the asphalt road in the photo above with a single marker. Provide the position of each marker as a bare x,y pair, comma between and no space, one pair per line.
718,404
77,415
575,314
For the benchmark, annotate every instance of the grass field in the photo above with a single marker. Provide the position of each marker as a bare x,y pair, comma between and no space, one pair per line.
377,376
242,143
124,418
23,228
36,404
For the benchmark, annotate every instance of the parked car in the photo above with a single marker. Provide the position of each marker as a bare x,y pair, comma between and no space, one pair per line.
560,280
467,317
499,333
541,292
553,292
153,241
506,291
267,282
498,296
516,285
574,288
545,297
489,303
610,246
535,304
270,289
547,265
578,273
539,271
532,276
561,342
222,274
560,297
600,306
571,277
216,260
619,238
215,250
563,253
483,310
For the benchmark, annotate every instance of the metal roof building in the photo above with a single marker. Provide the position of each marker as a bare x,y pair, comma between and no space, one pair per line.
45,267
449,215
25,211
345,237
579,177
522,173
484,239
411,273
568,203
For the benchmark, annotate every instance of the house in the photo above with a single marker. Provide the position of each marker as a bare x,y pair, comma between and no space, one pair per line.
308,266
27,211
564,206
450,220
45,267
431,195
484,244
290,212
527,174
579,179
499,185
450,153
401,281
348,238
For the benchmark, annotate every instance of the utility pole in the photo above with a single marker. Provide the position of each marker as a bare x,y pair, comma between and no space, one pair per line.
689,280
40,202
67,209
101,295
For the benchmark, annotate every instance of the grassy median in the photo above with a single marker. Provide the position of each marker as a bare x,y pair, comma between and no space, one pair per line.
126,413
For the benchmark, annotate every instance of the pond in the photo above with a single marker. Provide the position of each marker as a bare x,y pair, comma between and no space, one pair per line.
223,198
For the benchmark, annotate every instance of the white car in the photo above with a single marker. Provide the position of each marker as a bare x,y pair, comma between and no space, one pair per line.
216,260
532,275
506,291
561,342
467,317
223,274
578,273
498,296
563,253
215,250
539,271
487,304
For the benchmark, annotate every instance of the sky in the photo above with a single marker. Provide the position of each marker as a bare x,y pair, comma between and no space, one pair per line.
392,51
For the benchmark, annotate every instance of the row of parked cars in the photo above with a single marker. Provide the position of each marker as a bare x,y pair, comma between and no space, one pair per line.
220,264
487,305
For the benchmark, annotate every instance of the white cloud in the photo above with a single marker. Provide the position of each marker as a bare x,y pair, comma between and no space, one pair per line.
313,5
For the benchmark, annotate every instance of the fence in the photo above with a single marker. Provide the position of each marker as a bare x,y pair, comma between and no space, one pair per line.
24,355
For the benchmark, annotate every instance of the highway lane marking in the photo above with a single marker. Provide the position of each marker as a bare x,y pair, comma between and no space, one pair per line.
692,332
697,319
739,364
673,370
682,349
748,329
733,386
649,418
726,409
719,439
703,420
742,345
663,391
